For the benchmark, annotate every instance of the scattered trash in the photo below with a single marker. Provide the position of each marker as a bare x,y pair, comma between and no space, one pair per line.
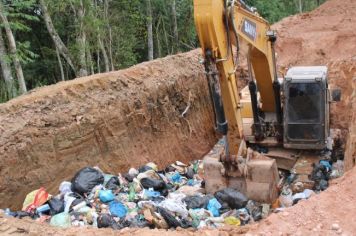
304,195
197,201
65,187
62,220
255,210
35,199
337,169
153,183
320,175
113,183
214,206
231,220
56,206
105,221
106,196
286,199
117,209
165,199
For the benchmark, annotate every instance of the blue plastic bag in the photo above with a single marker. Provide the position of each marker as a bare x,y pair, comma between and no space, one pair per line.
106,196
326,164
191,182
176,178
214,206
151,193
117,209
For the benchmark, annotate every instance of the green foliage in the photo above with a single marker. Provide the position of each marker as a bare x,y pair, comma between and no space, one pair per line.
126,19
24,53
275,10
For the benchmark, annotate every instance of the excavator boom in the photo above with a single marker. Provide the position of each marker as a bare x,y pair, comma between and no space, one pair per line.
221,24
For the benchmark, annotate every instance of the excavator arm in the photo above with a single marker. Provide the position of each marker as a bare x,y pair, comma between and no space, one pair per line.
221,24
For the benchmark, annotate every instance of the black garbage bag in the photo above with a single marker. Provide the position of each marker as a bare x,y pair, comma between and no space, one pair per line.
157,185
128,177
321,185
190,173
86,179
231,197
194,202
113,183
139,222
255,210
105,221
143,169
319,172
185,224
169,169
320,175
56,205
169,218
22,214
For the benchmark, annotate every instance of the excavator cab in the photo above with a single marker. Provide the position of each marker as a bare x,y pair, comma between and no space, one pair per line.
306,108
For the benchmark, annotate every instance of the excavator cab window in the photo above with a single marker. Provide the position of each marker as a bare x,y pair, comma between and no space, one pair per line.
304,111
304,103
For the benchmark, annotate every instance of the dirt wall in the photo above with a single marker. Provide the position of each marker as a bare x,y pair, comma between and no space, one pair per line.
115,121
326,36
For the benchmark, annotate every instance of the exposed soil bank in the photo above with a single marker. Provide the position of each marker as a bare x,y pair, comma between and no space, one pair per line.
116,121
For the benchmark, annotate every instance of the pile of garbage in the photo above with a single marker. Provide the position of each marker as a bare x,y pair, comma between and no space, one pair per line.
293,190
170,198
174,197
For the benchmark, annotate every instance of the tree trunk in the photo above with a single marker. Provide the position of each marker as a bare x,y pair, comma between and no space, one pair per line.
13,50
166,37
98,60
300,6
106,15
63,50
90,60
60,64
159,52
6,69
110,49
105,54
81,41
149,30
175,27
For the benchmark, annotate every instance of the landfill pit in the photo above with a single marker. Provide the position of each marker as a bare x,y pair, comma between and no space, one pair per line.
166,199
129,118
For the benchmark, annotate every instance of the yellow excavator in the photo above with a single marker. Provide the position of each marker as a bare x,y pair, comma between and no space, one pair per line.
287,113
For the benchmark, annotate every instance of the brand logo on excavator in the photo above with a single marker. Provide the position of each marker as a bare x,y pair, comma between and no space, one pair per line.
249,29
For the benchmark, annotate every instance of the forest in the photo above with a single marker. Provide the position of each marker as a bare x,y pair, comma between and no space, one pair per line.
43,42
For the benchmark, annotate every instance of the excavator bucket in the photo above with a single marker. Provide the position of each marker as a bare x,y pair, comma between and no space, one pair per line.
259,182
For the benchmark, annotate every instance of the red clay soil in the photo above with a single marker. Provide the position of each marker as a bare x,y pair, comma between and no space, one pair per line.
115,121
